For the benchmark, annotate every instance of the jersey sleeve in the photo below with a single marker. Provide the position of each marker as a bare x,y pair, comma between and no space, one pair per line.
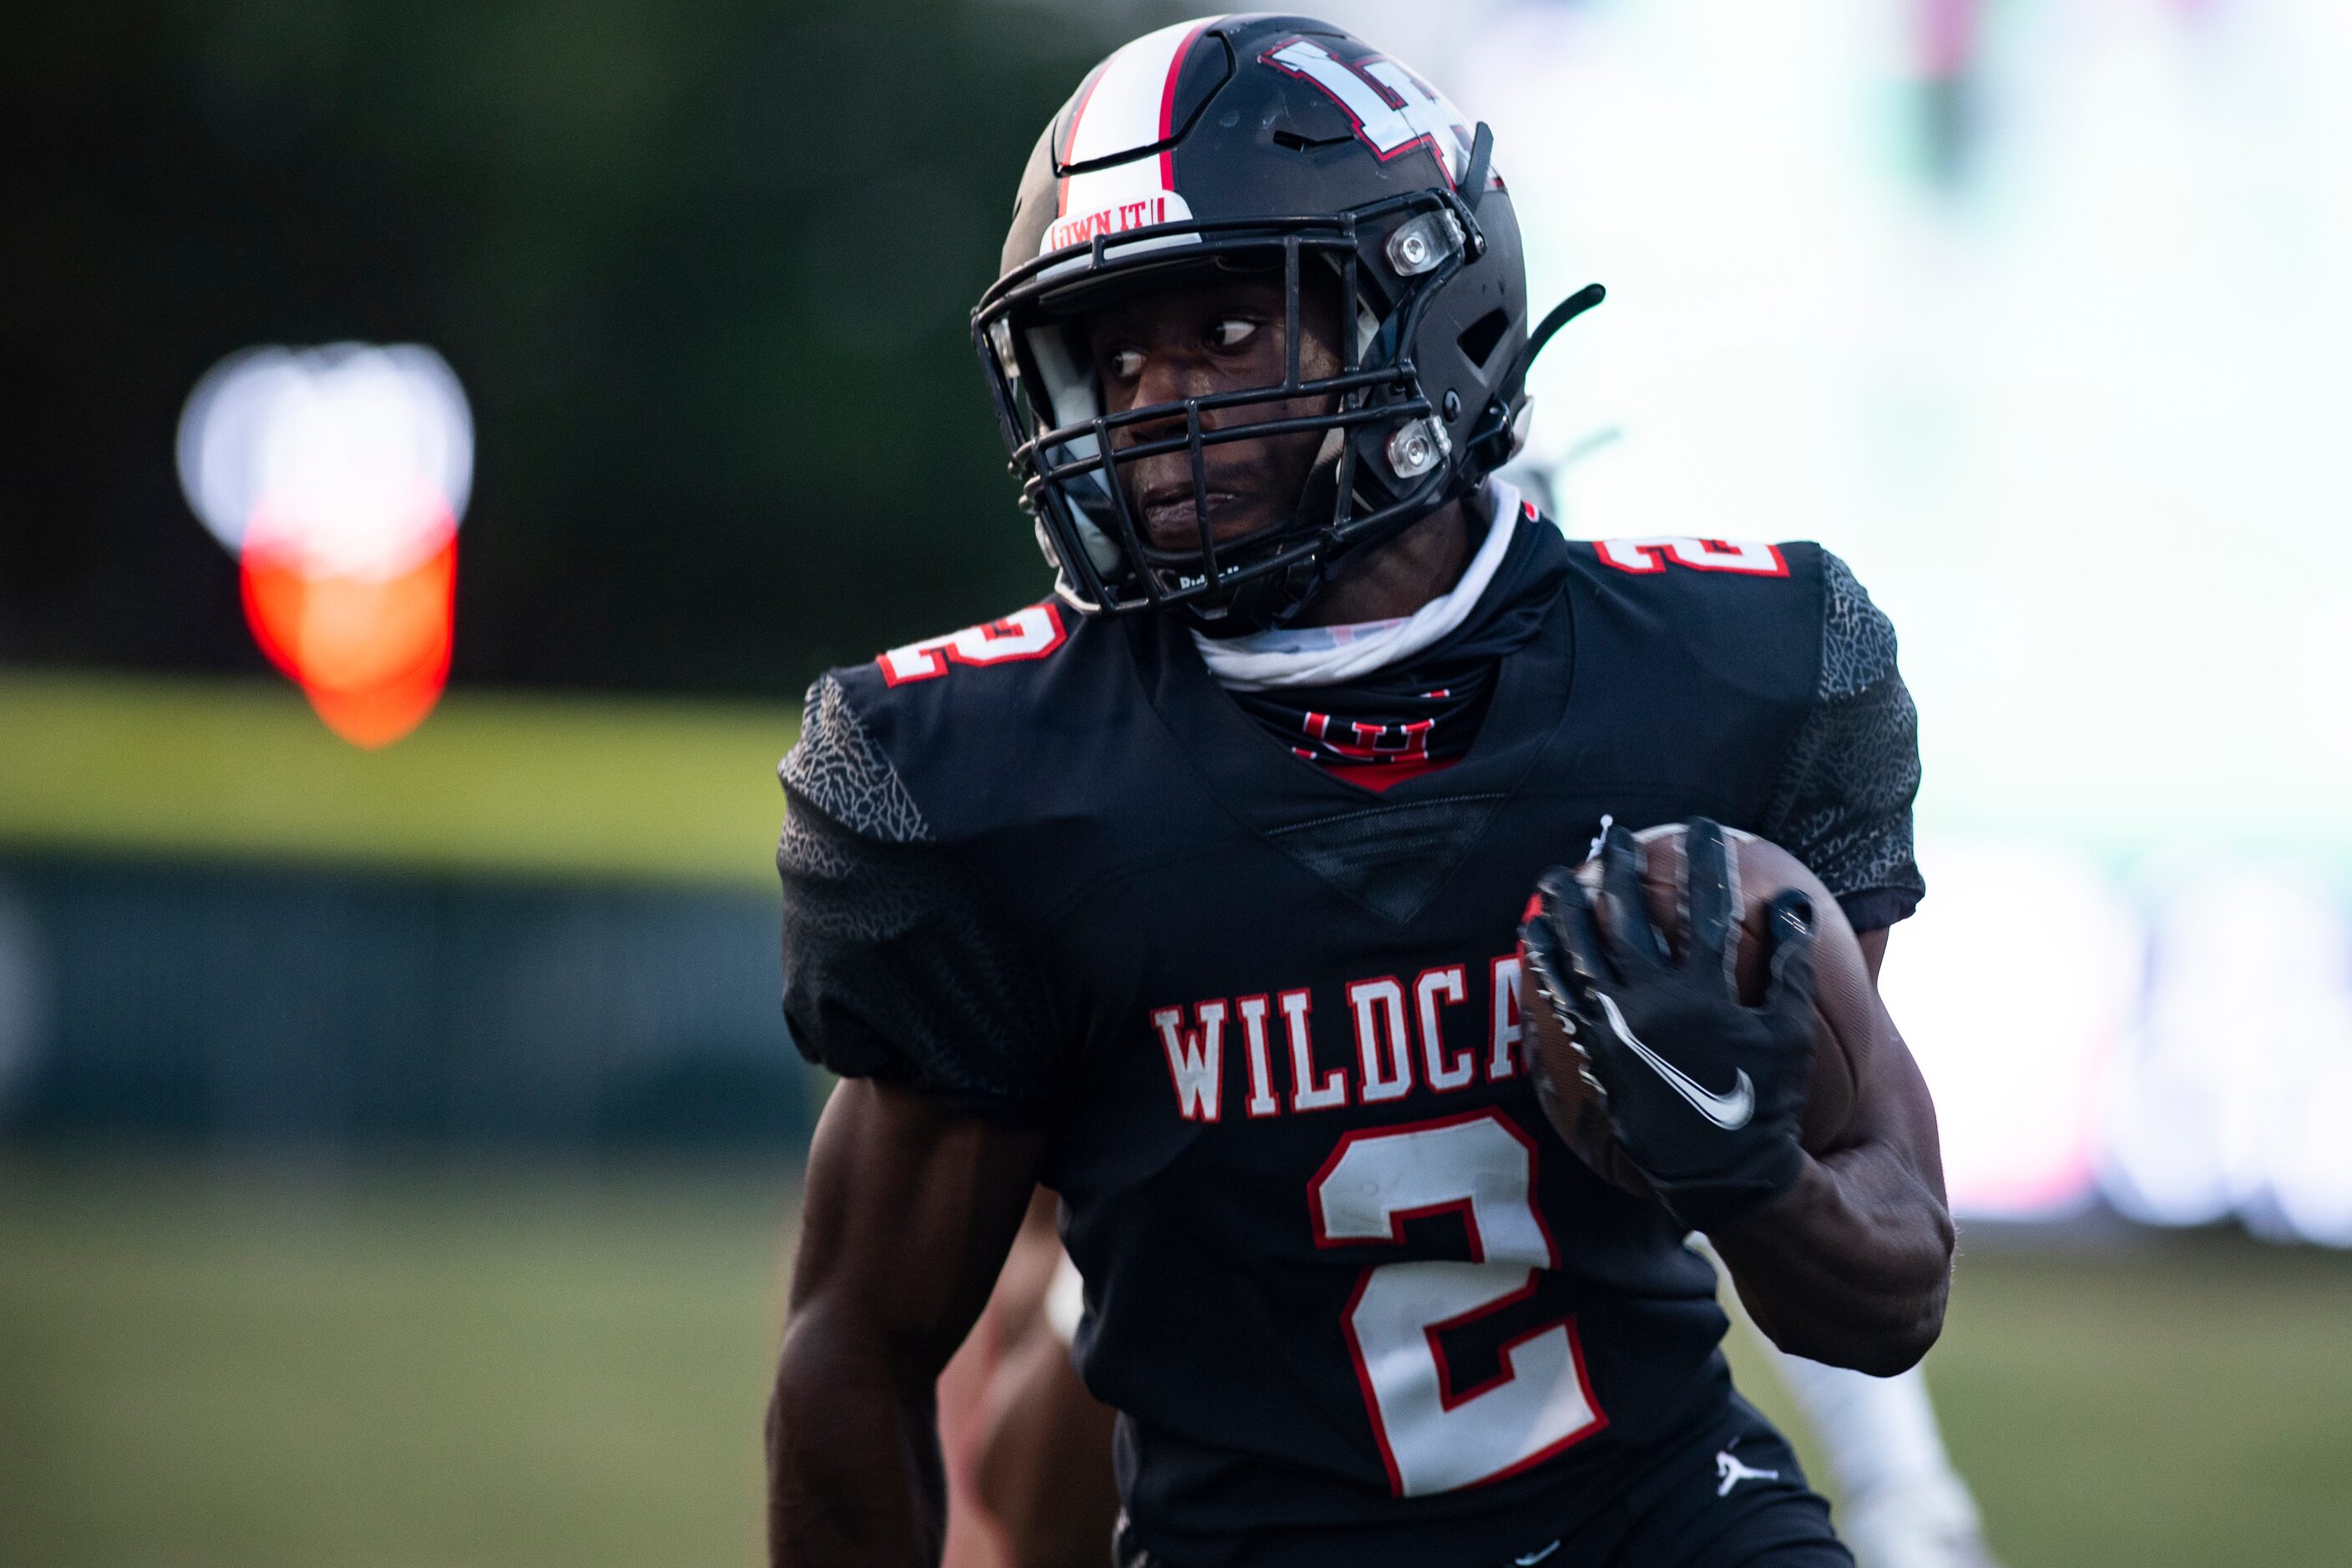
897,965
1843,802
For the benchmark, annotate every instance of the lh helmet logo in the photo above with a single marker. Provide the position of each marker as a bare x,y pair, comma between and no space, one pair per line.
1394,111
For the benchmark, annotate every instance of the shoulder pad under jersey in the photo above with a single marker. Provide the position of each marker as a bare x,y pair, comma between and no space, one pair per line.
1747,613
952,735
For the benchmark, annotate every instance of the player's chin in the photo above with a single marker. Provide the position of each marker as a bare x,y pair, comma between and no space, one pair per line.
1174,526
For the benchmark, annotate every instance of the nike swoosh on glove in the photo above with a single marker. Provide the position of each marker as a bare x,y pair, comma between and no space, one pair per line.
1704,1095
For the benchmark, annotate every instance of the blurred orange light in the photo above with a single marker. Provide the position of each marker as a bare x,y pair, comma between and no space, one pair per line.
371,653
337,476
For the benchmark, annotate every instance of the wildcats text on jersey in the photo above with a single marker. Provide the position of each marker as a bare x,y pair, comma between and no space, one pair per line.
1403,1036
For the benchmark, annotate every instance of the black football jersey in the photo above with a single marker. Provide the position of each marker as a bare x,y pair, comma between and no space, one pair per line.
1354,1299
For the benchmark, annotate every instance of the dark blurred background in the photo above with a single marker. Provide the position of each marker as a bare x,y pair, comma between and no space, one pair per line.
398,1147
704,272
703,268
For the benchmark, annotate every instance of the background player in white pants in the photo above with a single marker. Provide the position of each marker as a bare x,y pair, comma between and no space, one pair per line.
1901,1503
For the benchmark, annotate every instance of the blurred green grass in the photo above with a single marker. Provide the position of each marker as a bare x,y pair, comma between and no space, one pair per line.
2152,1400
479,1369
540,786
495,1368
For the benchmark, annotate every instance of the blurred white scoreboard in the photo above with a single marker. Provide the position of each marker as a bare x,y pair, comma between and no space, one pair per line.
2071,396
2178,1041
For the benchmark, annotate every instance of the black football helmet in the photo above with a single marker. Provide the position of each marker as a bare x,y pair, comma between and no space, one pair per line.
1259,142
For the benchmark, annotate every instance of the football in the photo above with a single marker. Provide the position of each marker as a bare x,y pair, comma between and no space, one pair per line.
1846,1015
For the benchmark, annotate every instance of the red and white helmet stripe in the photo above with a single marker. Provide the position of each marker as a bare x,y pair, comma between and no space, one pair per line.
1130,104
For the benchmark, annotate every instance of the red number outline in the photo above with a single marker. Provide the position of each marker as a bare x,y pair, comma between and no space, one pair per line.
1657,551
942,651
1450,1397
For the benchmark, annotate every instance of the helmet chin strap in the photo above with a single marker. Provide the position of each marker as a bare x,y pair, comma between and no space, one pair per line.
1278,598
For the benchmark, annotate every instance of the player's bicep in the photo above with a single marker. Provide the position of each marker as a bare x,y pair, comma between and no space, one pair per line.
1892,1109
899,962
910,1209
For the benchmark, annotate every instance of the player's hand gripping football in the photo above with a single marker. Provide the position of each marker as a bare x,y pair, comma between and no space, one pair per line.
1704,1095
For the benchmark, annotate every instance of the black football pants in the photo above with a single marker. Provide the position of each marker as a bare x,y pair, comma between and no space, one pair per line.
1736,1499
1733,1497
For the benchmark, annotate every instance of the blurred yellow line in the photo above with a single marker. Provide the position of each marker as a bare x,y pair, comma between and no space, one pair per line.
493,782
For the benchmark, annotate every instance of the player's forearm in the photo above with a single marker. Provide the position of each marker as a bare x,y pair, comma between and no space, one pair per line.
853,1471
1851,1265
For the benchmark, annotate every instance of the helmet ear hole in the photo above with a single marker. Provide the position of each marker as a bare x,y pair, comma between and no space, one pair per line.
1478,339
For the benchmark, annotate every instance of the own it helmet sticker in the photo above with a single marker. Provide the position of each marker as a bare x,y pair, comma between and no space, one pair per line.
1130,105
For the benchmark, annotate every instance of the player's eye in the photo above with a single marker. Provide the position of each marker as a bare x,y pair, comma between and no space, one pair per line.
1126,364
1231,331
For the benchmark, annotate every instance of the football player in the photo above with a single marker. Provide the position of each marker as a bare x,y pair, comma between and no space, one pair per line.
1193,892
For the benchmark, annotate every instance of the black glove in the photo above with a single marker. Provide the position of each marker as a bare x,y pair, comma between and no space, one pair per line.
1704,1095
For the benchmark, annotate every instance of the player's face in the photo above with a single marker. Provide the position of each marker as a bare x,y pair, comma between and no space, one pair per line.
1203,334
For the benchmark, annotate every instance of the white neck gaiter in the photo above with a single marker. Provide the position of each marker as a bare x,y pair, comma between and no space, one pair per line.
1333,656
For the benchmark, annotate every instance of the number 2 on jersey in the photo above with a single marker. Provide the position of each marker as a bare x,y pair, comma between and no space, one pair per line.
1433,1435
